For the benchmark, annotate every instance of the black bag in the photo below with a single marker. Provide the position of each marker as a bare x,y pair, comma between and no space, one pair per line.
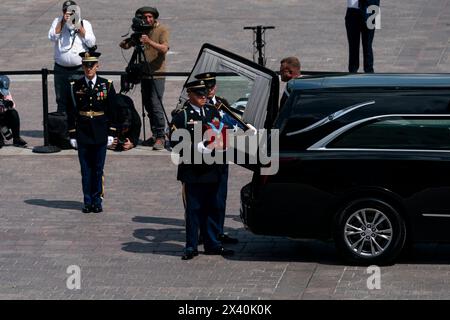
58,134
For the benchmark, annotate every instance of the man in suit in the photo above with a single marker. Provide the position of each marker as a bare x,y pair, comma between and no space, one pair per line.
201,181
356,25
91,122
290,68
128,124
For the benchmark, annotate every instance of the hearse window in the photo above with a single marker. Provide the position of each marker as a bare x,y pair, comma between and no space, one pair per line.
236,89
402,133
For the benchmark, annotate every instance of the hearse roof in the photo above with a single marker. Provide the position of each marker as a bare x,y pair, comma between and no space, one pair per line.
376,80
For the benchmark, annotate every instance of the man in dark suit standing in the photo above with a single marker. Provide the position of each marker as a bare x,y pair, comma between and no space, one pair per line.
358,31
91,120
201,181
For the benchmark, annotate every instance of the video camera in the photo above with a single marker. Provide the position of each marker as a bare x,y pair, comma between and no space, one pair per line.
5,105
139,26
136,69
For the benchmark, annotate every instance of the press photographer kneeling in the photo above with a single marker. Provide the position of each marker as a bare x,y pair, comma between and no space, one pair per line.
9,117
128,124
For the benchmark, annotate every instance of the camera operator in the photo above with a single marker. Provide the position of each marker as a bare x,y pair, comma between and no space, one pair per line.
9,117
70,39
155,41
128,124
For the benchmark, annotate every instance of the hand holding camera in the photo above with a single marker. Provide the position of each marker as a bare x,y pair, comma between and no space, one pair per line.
5,105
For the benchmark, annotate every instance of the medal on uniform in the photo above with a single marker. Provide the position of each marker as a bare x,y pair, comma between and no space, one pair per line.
218,132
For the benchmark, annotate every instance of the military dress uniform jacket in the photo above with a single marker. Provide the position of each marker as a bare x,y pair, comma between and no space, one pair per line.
186,118
91,113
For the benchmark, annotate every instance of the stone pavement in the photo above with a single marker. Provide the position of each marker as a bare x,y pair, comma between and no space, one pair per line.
414,36
133,250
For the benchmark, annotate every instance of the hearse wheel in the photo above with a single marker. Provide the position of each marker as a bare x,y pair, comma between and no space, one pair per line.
369,231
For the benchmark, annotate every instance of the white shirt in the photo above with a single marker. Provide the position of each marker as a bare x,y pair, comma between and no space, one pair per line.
353,4
196,109
66,54
94,81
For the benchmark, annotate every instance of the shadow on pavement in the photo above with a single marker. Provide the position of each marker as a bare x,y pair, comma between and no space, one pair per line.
425,253
58,204
159,220
253,247
32,133
157,241
250,247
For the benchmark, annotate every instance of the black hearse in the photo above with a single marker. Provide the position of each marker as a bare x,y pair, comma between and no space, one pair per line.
363,159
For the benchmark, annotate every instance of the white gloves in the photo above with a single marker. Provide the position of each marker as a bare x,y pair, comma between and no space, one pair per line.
252,128
110,141
202,149
73,143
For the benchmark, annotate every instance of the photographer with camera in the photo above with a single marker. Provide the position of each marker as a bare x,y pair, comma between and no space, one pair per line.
128,124
9,117
153,38
70,36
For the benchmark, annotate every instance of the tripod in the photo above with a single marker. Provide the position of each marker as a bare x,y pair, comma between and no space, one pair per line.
259,42
139,67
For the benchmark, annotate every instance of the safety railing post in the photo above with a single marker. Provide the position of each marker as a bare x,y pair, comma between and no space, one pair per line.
45,104
46,148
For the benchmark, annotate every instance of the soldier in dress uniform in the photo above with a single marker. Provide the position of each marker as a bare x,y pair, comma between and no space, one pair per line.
201,181
91,120
210,81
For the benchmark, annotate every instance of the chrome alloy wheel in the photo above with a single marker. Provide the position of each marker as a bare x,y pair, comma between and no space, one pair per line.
368,232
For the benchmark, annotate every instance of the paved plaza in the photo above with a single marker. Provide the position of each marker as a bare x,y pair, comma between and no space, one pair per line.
133,250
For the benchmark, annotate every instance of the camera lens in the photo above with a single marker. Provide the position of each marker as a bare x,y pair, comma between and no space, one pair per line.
6,132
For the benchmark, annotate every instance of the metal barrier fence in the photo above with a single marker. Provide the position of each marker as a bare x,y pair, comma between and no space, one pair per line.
47,148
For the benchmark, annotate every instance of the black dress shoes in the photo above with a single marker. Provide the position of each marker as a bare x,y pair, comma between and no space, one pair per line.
86,208
188,255
227,239
19,142
97,209
220,251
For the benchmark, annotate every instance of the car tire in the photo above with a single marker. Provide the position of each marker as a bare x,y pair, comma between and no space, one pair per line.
369,232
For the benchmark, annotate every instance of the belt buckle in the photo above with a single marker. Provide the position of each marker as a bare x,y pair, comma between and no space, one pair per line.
91,114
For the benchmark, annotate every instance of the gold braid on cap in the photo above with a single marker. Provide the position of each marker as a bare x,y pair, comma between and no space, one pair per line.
88,58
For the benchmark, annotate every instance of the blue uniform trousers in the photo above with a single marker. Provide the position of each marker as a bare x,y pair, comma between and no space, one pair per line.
201,213
357,32
222,199
92,160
